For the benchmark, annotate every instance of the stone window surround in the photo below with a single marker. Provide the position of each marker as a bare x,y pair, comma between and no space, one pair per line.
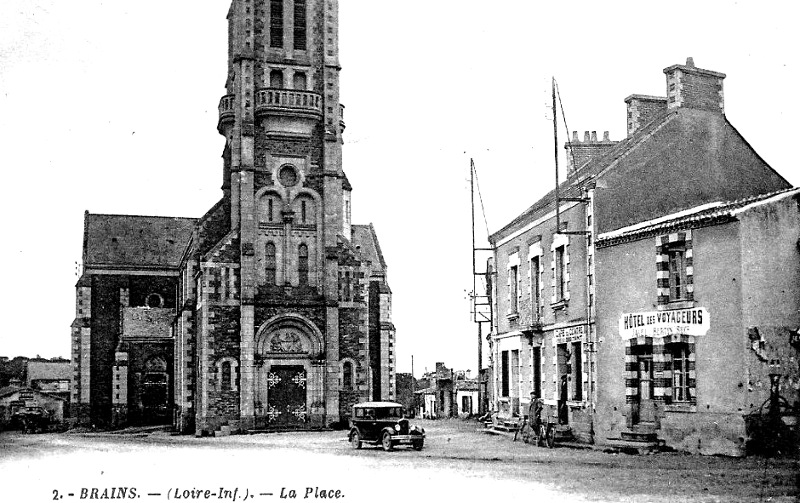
513,263
353,374
663,279
559,241
535,251
661,348
234,363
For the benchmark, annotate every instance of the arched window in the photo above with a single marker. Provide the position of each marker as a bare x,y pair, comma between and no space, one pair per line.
347,376
270,263
304,208
302,265
299,82
226,375
276,79
270,208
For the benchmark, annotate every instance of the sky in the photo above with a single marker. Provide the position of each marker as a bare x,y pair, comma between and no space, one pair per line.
111,107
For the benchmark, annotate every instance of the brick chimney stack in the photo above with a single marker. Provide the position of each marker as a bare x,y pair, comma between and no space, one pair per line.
586,150
692,87
642,109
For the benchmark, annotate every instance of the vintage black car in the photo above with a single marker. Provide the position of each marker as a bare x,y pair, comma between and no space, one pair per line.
382,423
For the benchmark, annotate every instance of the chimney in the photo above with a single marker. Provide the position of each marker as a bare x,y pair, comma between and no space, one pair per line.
642,109
579,153
692,87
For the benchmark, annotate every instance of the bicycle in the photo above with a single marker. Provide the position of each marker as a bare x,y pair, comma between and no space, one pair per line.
546,434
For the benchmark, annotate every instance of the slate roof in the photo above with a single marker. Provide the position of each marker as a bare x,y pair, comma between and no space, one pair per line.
571,187
692,153
135,241
49,370
364,237
699,216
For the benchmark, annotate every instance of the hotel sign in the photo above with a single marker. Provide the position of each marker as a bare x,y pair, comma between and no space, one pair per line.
569,334
695,321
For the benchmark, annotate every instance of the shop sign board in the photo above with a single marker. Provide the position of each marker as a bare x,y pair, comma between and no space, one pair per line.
569,334
694,321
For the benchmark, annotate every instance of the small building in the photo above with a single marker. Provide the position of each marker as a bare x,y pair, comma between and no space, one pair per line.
16,398
426,403
466,398
446,393
51,376
696,311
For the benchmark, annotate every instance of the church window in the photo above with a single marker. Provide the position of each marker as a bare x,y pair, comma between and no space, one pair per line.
154,300
347,376
300,25
276,23
227,370
303,212
226,376
276,79
302,265
270,210
288,176
270,263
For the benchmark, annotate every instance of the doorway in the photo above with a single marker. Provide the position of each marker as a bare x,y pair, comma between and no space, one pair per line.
286,398
645,413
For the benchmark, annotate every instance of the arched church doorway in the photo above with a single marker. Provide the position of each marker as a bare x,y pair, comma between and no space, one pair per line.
289,380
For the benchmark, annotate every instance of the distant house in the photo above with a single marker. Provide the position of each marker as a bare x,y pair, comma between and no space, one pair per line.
51,376
467,397
446,393
15,398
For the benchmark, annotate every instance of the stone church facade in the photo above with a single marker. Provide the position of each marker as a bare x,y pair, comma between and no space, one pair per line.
270,311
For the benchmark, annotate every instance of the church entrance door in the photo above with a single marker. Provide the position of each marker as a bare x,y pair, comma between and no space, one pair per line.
286,396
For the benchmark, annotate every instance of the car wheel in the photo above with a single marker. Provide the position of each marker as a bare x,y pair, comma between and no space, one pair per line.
417,445
355,440
386,441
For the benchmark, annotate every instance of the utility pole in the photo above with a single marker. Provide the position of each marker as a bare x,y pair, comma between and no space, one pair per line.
478,301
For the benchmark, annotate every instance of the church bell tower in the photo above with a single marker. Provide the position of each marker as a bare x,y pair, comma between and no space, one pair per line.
289,293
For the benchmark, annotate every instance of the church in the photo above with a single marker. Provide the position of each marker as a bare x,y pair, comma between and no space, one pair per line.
272,310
